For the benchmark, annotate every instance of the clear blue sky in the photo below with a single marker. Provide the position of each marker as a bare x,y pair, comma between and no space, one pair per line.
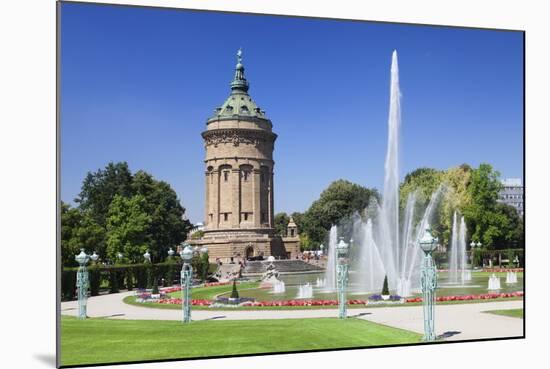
137,85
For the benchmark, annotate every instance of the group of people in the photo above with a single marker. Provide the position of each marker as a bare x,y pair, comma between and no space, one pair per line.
309,256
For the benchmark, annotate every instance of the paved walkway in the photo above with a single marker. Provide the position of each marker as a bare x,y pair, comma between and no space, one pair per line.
454,322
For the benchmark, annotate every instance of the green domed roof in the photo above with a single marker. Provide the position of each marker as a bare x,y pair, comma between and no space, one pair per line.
239,104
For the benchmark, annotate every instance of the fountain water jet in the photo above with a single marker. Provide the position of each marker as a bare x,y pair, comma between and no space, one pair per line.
369,269
511,278
279,287
458,270
330,274
384,250
305,291
494,283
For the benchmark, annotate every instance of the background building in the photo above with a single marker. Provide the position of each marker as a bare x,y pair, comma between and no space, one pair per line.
239,191
512,193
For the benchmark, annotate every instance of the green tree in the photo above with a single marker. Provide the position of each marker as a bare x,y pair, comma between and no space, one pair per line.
70,245
485,222
341,199
168,226
128,226
100,187
79,230
298,219
281,222
305,242
424,181
510,226
86,226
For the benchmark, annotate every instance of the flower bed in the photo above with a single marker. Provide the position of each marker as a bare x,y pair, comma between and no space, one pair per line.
485,296
372,300
171,289
503,270
177,301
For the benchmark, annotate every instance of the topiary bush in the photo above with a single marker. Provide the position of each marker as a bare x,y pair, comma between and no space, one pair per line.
385,289
234,292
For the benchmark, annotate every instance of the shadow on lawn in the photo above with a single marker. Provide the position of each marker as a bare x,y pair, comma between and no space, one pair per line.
448,334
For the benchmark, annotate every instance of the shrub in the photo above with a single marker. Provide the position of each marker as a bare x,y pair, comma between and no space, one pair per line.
113,281
95,279
234,292
68,284
385,289
129,279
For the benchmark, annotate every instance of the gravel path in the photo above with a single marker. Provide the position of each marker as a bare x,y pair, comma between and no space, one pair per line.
453,322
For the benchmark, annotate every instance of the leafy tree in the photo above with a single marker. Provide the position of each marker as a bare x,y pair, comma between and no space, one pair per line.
483,219
99,189
424,181
168,227
70,245
511,227
79,230
341,199
128,226
281,223
197,235
305,242
87,225
298,219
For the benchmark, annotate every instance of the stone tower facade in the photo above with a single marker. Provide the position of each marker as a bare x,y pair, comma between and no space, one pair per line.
239,191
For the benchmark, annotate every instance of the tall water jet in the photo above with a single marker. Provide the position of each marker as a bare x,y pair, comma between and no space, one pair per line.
453,257
383,249
465,273
330,273
412,268
458,270
369,270
389,216
407,247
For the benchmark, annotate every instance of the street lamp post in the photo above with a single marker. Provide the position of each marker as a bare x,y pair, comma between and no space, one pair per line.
82,283
342,277
186,275
429,283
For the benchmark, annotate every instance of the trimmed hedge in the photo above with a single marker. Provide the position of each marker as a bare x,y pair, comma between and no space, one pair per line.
115,277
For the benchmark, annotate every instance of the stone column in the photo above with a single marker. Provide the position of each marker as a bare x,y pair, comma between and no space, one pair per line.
216,198
235,198
207,196
256,208
270,200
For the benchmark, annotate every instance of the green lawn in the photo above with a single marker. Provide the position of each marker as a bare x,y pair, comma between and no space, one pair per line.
515,313
210,293
94,341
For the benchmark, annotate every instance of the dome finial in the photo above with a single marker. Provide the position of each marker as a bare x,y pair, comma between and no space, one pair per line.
239,83
240,55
